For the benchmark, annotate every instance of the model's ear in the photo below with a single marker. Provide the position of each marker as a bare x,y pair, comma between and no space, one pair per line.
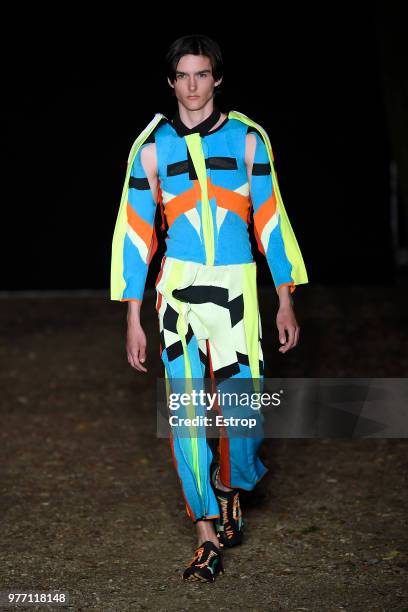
217,82
170,83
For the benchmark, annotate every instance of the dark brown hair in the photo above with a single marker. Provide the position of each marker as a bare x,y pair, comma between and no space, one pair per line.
194,44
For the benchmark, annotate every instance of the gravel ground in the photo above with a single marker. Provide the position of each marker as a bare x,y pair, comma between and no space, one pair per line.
90,501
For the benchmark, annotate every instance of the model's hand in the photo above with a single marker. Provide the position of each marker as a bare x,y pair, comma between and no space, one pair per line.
286,322
136,346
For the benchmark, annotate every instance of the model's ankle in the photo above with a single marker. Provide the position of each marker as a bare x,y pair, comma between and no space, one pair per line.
206,531
213,539
220,486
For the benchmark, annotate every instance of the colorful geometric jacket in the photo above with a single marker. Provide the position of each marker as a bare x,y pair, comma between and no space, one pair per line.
205,201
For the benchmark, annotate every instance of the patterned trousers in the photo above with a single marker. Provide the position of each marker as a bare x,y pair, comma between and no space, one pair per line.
210,328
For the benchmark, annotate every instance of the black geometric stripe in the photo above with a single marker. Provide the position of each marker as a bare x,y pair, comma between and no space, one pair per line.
203,356
261,169
214,163
138,183
236,307
170,319
227,371
189,333
207,373
180,167
221,163
174,350
242,358
185,166
192,174
201,294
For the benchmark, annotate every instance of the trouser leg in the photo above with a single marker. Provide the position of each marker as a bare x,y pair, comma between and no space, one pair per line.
184,358
221,303
235,357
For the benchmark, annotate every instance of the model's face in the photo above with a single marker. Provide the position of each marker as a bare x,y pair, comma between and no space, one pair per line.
194,83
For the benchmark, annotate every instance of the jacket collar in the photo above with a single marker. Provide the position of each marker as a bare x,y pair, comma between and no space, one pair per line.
202,128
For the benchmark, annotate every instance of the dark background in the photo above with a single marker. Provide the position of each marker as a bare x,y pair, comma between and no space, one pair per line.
319,82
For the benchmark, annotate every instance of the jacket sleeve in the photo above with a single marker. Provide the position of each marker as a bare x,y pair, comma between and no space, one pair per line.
135,240
273,232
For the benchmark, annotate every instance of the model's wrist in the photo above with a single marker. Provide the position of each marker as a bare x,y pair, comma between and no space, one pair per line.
285,297
285,301
133,313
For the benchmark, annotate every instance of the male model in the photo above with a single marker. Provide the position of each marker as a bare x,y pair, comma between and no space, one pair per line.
209,172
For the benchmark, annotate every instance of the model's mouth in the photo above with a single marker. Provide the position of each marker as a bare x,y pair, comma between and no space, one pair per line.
193,97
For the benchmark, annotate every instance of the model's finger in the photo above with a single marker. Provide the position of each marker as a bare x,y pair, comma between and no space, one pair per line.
130,360
291,336
135,363
288,344
141,357
142,354
139,366
282,335
291,333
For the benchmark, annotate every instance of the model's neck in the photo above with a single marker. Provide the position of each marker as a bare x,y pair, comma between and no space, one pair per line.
191,117
204,121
